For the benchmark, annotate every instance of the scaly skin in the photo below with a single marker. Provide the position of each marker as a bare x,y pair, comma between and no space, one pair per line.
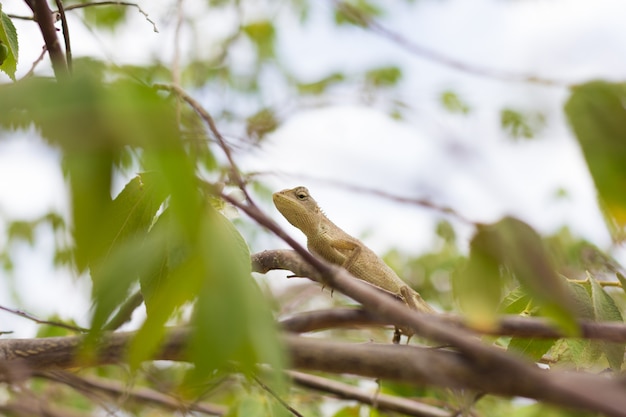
327,240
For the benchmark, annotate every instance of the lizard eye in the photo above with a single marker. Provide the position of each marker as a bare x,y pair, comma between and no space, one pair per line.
301,196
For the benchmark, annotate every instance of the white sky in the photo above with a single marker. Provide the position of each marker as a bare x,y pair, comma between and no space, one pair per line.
465,162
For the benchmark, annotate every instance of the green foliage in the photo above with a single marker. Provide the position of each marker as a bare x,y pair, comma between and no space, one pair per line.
105,16
164,232
321,86
357,12
453,103
383,76
263,35
197,256
606,310
515,246
597,115
9,48
542,410
261,123
521,125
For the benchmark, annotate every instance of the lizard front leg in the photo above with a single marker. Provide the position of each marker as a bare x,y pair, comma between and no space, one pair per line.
343,245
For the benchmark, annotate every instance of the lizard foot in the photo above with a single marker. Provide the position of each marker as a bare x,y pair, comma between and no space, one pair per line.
396,336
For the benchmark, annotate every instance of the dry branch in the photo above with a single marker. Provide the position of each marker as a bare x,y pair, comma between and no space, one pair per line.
19,358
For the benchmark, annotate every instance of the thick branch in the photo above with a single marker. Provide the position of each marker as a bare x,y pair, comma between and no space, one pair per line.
343,317
420,366
44,18
531,327
486,360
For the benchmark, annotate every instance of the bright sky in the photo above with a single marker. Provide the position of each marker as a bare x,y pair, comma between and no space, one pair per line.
465,162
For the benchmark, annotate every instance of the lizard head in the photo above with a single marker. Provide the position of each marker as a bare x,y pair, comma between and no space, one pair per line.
298,207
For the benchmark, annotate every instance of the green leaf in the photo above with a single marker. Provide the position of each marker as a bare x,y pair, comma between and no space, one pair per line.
8,37
453,103
261,123
445,230
597,115
105,17
22,230
263,35
583,304
606,310
320,86
514,245
356,12
250,405
114,278
384,76
516,302
544,410
230,321
478,286
521,125
349,411
532,348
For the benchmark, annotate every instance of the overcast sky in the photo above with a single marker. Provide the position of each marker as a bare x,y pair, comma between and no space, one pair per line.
465,162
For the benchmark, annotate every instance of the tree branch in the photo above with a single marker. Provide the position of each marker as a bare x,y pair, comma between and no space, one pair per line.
367,22
380,401
410,364
138,395
531,327
43,16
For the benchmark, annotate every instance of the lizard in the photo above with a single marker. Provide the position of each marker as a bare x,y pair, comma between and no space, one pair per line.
331,243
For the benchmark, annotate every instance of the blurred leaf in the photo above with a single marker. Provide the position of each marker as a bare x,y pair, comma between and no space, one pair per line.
349,411
230,307
356,12
263,35
22,230
9,44
606,310
261,123
478,286
453,103
596,113
113,279
105,17
384,76
76,116
521,125
320,86
544,410
515,245
445,231
250,405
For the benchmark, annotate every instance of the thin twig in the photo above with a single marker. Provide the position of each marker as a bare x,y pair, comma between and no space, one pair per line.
383,401
368,22
97,3
31,71
235,172
139,394
277,397
66,35
115,3
423,202
39,321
